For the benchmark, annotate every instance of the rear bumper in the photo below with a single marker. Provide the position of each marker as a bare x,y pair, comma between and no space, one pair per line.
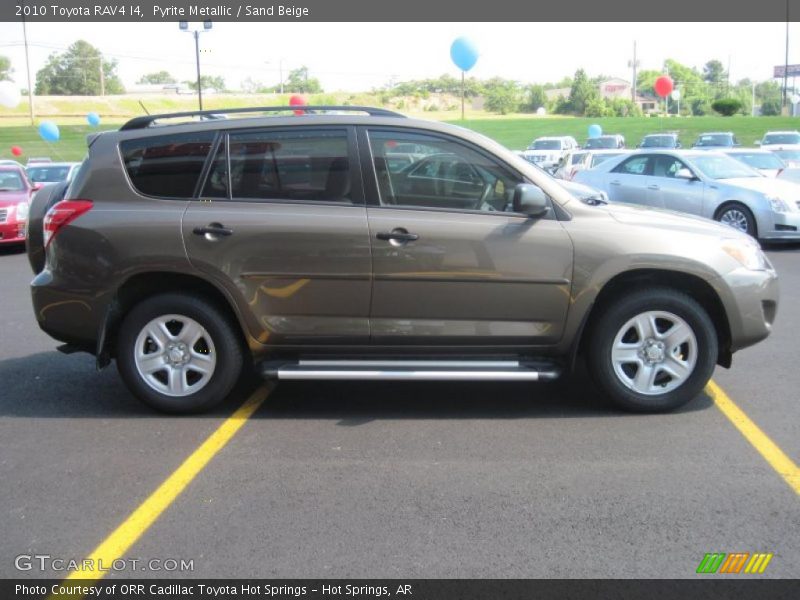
13,232
64,314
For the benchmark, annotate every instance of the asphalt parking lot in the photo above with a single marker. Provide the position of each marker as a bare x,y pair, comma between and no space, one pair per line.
397,480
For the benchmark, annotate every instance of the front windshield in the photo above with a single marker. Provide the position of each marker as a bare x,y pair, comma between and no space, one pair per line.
658,141
781,138
10,181
759,160
714,140
601,142
47,174
599,158
545,145
716,166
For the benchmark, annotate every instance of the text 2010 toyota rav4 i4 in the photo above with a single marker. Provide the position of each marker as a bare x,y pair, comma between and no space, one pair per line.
307,247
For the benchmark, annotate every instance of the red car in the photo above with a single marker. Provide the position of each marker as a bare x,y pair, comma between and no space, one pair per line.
15,198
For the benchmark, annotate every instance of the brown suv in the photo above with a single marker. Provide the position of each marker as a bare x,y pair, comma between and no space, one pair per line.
372,246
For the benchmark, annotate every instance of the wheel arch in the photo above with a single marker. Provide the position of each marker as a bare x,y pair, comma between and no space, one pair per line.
141,286
731,202
692,285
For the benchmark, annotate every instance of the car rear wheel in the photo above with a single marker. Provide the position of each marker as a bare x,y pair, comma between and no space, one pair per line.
653,350
739,217
179,354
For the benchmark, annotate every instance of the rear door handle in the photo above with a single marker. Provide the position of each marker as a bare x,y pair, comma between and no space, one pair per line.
653,187
397,235
615,182
212,230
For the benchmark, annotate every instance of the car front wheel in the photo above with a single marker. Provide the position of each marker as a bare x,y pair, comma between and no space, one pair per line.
739,217
653,350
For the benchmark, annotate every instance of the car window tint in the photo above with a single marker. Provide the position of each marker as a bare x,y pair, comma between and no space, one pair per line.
578,157
667,166
10,181
441,174
167,166
307,165
636,165
216,185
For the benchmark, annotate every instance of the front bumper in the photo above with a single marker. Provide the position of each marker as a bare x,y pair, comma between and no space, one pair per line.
785,226
751,302
12,232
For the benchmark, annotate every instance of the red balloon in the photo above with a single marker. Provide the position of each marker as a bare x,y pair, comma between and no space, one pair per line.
663,86
16,150
297,100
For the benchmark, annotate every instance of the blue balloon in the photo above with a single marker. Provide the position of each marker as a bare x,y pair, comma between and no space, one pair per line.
464,53
595,130
49,131
93,119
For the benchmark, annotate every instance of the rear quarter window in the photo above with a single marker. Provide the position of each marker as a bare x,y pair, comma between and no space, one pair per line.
166,166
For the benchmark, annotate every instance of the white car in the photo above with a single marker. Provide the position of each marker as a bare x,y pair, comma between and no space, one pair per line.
547,152
765,162
774,140
579,160
790,154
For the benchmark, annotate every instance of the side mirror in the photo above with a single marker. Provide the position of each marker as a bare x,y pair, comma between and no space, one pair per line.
36,187
530,200
685,173
678,145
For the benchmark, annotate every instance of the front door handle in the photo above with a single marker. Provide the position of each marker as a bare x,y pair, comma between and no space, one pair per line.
212,230
616,182
397,235
653,187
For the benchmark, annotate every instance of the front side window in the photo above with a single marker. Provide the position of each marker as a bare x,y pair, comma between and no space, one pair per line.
167,166
667,166
310,165
637,165
443,174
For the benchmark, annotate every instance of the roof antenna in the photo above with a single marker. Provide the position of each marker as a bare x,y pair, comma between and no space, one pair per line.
144,108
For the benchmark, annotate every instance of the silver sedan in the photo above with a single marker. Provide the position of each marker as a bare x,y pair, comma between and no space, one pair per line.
708,184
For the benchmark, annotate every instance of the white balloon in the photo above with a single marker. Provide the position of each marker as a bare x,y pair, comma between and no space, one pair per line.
9,94
541,111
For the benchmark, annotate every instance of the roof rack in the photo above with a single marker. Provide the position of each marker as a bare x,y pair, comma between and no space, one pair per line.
147,120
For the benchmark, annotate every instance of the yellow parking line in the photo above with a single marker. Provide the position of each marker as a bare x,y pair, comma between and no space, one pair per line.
123,537
776,458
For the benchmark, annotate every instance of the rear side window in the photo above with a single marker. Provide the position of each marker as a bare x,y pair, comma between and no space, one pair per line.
310,165
167,166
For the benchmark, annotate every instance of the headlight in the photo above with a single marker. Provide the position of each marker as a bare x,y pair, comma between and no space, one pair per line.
22,211
747,252
777,204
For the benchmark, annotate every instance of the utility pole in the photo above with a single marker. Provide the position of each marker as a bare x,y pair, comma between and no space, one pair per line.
633,64
184,26
28,70
786,63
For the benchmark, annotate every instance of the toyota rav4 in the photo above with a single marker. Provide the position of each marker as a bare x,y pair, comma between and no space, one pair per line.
188,250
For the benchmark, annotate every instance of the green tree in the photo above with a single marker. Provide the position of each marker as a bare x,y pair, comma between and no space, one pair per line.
771,107
80,71
5,68
714,72
298,81
503,97
158,77
208,82
582,91
536,97
598,107
727,107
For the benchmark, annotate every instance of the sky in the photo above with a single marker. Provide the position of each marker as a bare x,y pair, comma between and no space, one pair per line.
362,56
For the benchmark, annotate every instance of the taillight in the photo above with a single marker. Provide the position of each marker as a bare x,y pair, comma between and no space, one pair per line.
63,213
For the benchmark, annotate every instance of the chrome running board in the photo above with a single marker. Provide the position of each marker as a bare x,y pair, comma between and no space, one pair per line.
411,370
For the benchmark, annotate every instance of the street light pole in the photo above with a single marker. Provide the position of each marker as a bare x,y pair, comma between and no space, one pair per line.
184,26
197,59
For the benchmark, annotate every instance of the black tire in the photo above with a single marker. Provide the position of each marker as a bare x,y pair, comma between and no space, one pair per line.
615,316
740,213
227,352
